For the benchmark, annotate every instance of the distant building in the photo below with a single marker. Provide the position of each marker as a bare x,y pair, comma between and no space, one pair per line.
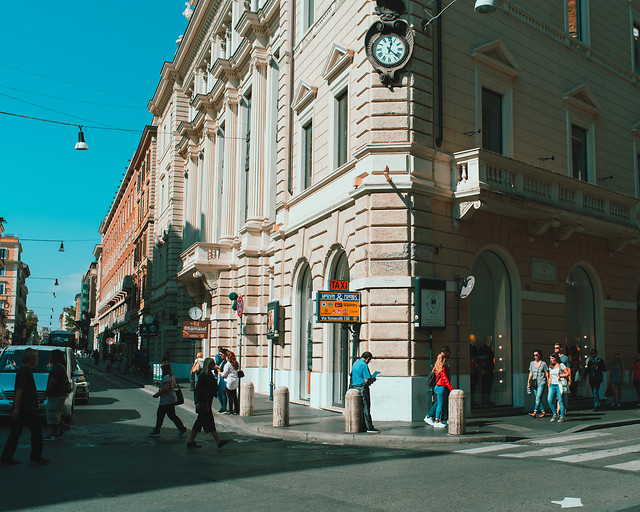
13,291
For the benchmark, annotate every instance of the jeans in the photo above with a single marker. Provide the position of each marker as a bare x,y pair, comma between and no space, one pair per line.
222,395
168,410
442,395
539,391
234,404
366,404
554,391
32,421
596,395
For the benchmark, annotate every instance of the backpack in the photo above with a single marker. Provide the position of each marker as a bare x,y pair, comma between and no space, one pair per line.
432,380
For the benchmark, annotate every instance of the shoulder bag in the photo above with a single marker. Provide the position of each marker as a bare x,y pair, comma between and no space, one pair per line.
179,395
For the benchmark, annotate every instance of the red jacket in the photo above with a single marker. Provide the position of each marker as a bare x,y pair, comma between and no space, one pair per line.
442,379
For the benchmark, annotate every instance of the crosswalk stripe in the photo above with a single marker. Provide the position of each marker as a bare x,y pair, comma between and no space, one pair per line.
634,465
598,454
487,449
569,438
542,452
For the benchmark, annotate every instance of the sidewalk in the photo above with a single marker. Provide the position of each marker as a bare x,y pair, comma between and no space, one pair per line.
327,427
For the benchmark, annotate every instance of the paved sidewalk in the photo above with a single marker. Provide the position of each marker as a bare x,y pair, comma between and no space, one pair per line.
322,426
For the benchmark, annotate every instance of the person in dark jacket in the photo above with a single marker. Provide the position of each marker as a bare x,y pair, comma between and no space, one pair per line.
206,390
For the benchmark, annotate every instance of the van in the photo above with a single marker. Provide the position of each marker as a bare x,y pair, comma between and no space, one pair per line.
11,361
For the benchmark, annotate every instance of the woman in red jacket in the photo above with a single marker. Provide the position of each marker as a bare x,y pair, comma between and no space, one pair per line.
442,389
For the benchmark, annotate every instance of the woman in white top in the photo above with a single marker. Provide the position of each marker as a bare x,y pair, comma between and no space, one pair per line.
230,376
557,370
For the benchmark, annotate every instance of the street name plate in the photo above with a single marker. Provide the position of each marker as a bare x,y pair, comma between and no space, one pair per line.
334,306
195,329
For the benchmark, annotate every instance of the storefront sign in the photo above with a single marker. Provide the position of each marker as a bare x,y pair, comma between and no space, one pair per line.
273,310
430,304
334,306
543,271
195,329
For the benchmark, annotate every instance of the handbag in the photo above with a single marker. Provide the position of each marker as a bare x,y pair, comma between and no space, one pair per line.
240,374
179,395
564,384
607,392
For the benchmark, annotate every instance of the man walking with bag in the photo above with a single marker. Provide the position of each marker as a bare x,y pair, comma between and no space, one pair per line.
595,373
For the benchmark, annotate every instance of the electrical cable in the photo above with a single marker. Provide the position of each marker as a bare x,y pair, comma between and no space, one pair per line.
112,105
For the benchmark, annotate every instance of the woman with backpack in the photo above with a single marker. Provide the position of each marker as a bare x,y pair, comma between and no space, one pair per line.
206,389
442,389
167,405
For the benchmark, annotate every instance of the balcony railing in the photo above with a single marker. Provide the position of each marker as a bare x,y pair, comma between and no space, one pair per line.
476,172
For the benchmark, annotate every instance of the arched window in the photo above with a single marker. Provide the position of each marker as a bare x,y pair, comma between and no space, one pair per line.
580,314
340,346
305,320
490,332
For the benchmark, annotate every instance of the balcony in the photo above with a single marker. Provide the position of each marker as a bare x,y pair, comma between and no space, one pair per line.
204,259
494,183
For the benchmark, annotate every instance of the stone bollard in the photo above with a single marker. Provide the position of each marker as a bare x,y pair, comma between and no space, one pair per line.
457,415
246,398
353,412
281,407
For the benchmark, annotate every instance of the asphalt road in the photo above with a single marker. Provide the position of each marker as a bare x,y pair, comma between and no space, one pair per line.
106,462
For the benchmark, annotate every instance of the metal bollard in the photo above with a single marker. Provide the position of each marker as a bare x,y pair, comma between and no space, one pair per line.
353,412
281,407
246,398
457,416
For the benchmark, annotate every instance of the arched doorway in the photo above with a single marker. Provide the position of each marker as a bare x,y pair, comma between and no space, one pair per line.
305,319
580,315
340,339
490,332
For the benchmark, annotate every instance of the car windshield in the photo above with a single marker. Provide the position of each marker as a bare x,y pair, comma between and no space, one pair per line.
11,360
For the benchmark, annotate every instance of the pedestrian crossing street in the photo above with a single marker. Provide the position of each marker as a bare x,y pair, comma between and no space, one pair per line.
598,449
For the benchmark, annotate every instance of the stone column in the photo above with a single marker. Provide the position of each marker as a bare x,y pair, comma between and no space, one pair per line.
281,407
259,124
353,412
246,398
457,420
229,175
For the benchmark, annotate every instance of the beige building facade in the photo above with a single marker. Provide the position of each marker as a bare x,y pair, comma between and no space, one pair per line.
507,149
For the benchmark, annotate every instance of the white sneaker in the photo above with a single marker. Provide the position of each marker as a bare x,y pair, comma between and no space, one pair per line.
439,424
429,420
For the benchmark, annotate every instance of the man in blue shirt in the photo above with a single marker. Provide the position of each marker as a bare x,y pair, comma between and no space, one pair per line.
361,379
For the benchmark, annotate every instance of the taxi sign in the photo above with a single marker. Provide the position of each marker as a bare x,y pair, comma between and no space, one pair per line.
336,306
338,285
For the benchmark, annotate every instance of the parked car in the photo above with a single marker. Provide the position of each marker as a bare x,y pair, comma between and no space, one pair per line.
11,360
82,385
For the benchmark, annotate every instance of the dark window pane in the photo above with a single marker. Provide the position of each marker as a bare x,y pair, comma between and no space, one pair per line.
342,127
308,154
636,48
579,153
491,121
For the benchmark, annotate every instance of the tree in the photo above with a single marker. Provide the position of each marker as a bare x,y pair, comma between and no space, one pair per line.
31,325
69,319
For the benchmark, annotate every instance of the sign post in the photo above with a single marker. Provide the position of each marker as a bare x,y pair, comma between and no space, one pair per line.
240,311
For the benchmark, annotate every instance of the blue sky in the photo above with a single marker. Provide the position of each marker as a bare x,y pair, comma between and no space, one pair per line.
93,63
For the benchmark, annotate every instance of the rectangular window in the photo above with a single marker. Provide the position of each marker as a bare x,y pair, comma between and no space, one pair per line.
4,254
308,14
636,47
342,127
579,153
574,18
307,161
491,121
3,270
1,288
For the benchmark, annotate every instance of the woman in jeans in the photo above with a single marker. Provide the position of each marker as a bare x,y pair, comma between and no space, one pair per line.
442,389
557,370
168,401
538,378
230,376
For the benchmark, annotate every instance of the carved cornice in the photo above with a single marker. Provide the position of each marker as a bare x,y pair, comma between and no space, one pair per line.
464,209
339,58
564,232
539,227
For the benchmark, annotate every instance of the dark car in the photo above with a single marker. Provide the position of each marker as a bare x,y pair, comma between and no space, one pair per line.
82,385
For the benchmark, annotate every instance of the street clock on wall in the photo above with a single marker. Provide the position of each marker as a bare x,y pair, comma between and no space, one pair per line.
389,41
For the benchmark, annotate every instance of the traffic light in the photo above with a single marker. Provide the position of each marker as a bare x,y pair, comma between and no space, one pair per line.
233,296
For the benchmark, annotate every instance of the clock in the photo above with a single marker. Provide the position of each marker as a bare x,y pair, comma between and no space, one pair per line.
389,50
195,313
148,319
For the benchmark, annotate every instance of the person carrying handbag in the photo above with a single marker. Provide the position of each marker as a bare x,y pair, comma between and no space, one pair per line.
168,400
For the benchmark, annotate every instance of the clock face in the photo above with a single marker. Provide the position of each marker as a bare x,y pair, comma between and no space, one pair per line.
195,313
389,50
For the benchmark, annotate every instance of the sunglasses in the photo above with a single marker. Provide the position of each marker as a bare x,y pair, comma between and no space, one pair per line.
536,355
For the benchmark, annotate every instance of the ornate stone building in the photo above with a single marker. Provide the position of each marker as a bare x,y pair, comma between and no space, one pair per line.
304,141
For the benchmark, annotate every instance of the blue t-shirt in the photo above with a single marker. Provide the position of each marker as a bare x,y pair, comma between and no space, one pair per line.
360,373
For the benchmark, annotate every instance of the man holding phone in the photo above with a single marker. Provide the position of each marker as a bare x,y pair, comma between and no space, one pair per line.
361,379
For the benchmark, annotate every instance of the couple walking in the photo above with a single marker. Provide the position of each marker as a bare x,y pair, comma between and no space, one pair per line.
556,376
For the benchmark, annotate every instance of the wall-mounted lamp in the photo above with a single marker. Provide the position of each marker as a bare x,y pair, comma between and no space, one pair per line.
61,247
543,158
606,178
472,132
81,145
481,7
